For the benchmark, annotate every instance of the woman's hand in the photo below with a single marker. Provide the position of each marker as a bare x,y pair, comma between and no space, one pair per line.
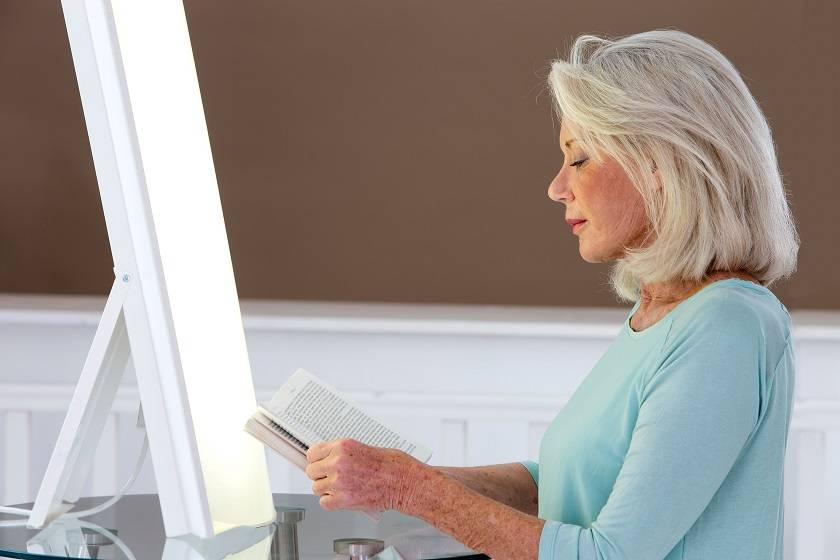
351,475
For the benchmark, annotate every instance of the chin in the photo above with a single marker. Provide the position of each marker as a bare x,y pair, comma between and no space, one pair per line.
587,254
592,256
590,259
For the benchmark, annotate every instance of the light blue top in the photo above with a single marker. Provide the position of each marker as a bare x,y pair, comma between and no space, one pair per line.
673,446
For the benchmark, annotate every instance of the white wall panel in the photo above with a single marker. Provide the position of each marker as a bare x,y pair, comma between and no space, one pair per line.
103,478
811,509
17,456
535,435
453,444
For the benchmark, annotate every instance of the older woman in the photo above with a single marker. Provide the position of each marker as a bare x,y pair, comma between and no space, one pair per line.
673,446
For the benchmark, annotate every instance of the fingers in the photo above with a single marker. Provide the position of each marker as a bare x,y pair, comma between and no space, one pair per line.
345,473
323,449
319,451
320,487
328,502
316,470
329,499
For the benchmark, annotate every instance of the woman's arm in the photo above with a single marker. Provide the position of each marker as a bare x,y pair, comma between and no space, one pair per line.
351,475
478,521
510,484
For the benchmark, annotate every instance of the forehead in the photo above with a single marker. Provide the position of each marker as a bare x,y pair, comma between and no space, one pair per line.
567,134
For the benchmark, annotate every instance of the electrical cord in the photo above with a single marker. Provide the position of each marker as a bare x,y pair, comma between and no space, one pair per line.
125,488
114,538
90,511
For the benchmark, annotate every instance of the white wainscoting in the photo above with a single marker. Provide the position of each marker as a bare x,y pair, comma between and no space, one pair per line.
479,385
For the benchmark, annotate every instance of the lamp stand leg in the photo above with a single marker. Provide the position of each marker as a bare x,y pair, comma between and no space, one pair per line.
89,409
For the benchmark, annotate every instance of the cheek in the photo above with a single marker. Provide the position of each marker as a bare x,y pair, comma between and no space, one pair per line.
622,207
613,227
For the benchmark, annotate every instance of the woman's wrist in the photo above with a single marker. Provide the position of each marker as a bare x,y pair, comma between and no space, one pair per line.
422,489
428,485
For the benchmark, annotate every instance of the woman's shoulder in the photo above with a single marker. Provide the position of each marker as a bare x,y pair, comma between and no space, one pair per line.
730,312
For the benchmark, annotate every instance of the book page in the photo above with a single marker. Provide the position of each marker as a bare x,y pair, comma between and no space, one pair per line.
313,411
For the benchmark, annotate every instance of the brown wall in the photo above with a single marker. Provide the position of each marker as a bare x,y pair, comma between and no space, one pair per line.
397,151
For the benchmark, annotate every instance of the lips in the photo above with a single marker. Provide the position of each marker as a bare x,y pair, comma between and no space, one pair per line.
575,223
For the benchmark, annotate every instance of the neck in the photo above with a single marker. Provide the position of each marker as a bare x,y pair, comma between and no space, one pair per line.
674,291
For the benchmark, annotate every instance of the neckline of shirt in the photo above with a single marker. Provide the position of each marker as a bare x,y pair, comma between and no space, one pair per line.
668,317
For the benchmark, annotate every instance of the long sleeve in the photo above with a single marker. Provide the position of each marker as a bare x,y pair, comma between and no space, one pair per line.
697,412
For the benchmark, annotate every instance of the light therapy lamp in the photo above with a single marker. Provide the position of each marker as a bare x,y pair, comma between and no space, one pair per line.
173,308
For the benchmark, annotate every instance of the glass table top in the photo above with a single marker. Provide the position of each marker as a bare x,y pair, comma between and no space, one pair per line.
132,529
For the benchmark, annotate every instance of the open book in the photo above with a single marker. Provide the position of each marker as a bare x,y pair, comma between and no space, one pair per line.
306,411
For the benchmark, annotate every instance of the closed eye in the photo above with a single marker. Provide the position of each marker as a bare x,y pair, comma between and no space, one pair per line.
578,162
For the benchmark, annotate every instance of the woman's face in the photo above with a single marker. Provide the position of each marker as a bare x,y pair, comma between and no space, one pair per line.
603,207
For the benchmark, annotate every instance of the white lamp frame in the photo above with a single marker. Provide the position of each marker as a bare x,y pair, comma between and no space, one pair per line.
114,64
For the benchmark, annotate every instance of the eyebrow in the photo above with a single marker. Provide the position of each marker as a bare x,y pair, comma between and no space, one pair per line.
569,143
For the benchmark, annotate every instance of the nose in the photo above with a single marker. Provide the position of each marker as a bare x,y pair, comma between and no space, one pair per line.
558,189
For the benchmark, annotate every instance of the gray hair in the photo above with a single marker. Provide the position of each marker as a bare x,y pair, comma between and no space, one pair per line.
667,101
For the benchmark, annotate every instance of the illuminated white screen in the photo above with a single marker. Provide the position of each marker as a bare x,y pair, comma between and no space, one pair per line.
198,280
